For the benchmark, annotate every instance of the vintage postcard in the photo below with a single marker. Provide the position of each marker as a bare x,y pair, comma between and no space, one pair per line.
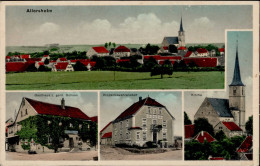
129,83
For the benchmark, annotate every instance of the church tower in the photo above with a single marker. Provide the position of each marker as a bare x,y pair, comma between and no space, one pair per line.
181,36
237,95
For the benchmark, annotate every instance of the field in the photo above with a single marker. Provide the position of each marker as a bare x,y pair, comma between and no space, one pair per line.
105,80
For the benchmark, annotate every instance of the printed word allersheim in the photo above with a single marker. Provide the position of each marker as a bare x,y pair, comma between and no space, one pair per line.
39,11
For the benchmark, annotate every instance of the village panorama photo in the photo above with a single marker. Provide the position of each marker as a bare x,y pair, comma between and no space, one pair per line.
119,47
46,123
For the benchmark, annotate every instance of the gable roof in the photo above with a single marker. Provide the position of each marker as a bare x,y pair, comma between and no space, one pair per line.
172,40
94,118
221,106
202,136
136,106
182,48
121,49
232,126
188,54
45,55
201,50
189,131
100,49
62,59
56,110
107,135
246,145
105,127
61,65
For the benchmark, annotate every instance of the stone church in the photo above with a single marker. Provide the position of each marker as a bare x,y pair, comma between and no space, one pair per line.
178,41
227,115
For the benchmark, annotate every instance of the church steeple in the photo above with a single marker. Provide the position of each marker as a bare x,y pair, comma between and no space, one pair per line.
181,27
236,77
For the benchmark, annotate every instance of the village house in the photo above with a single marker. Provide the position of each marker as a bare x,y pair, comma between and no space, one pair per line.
245,150
40,117
106,134
221,112
62,60
222,51
98,51
45,57
201,52
204,136
121,51
62,66
145,120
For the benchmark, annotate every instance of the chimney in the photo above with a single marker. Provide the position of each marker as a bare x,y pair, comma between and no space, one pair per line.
140,98
62,103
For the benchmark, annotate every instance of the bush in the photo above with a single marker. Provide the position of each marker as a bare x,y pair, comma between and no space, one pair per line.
151,144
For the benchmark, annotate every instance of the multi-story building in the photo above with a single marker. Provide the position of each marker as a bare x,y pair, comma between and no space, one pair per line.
144,121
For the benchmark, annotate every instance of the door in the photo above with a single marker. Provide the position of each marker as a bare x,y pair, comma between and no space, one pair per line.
155,137
71,143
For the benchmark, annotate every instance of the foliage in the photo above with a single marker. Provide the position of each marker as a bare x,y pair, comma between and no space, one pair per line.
79,66
173,49
40,128
226,148
161,70
46,52
220,135
202,124
31,68
149,49
46,61
187,120
44,68
249,126
26,147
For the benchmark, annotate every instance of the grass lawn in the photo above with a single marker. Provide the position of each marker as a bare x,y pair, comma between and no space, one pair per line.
105,80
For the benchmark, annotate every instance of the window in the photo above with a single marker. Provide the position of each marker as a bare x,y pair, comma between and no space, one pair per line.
149,110
234,92
164,123
127,135
127,123
21,113
26,112
144,136
164,135
154,121
154,111
144,123
220,128
242,91
160,111
137,135
121,125
121,136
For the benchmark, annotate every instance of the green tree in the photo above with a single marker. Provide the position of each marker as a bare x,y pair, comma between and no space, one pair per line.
79,66
106,45
114,44
249,126
43,68
31,68
173,49
109,44
46,52
187,120
220,135
46,61
202,124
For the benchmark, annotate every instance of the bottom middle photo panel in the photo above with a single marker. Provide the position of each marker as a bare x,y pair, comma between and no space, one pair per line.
141,126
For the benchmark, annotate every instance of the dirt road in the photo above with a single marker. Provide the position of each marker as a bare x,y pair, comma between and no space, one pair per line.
109,153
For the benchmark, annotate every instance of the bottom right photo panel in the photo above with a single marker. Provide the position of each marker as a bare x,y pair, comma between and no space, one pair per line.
219,124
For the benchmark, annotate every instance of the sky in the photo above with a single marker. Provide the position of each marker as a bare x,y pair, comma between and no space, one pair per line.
112,106
85,101
245,55
72,25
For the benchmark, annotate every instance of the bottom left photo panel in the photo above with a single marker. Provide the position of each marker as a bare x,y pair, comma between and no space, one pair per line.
48,123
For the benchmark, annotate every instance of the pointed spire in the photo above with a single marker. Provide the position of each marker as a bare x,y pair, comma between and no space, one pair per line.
236,77
181,28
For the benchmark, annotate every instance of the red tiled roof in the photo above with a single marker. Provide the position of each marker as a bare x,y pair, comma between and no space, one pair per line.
216,158
86,63
123,60
136,106
45,55
201,50
100,49
221,49
122,49
169,58
182,48
25,56
107,135
188,54
189,131
202,62
202,136
232,126
53,61
156,57
7,57
62,59
40,63
165,48
16,66
94,119
61,65
56,110
105,127
246,145
33,59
